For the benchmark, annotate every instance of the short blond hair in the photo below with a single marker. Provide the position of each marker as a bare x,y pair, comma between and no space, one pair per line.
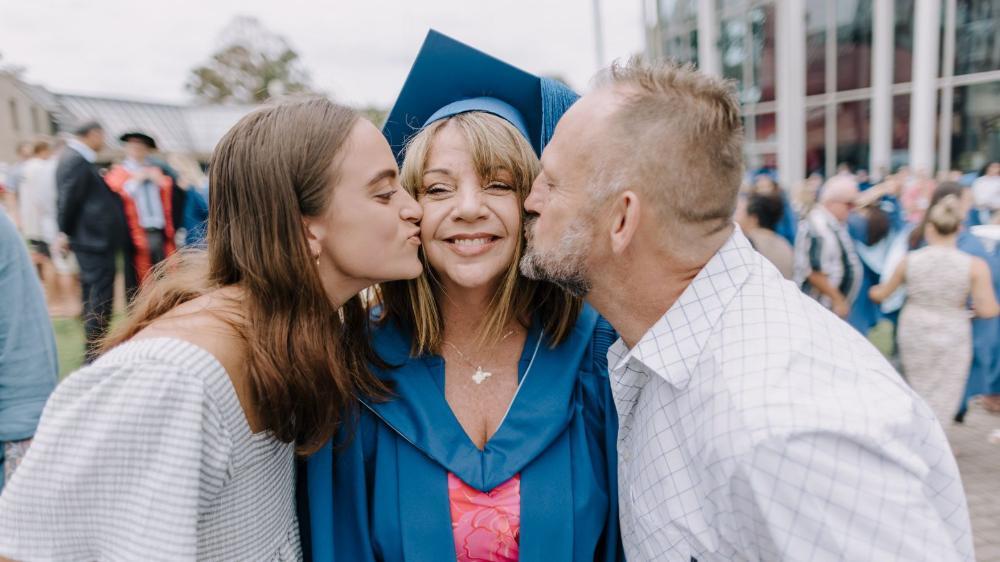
495,145
678,132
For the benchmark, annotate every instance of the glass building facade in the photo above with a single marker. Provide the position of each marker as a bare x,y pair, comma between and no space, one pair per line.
857,97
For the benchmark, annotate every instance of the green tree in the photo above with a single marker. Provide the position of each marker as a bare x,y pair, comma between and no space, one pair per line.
252,65
376,115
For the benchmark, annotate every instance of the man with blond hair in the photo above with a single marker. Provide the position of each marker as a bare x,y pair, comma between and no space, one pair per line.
753,423
827,266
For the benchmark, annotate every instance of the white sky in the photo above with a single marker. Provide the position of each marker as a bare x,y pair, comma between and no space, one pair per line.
359,51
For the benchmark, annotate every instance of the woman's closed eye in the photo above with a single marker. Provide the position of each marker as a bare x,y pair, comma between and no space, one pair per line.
386,196
498,187
437,189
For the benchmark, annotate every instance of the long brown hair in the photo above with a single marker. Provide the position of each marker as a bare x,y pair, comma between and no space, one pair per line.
306,361
494,145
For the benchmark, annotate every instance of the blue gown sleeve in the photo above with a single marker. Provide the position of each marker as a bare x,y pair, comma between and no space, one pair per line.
604,337
337,525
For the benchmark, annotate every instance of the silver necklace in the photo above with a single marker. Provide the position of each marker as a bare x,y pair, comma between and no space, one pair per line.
480,375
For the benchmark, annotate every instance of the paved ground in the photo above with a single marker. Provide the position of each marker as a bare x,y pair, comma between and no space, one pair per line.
979,461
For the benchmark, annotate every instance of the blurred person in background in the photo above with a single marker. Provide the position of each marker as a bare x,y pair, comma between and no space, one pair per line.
194,182
871,231
986,192
878,230
758,215
29,364
864,180
91,219
984,374
887,192
147,198
935,332
37,208
5,195
15,173
788,222
805,194
948,175
826,264
63,286
178,196
916,194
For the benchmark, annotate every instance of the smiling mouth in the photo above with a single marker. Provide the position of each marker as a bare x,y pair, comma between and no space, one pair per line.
472,242
471,245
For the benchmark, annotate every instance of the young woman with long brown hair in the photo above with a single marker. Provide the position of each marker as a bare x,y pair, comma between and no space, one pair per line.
179,442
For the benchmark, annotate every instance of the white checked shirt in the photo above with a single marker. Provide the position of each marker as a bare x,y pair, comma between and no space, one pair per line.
755,425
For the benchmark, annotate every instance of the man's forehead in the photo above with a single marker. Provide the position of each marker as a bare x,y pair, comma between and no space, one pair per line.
581,126
607,100
587,119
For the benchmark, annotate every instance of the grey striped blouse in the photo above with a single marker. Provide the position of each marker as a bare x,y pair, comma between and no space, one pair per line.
146,455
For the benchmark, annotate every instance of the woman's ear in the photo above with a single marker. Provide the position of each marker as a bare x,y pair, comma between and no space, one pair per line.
315,234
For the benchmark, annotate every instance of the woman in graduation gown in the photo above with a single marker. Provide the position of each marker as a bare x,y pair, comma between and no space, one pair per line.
499,441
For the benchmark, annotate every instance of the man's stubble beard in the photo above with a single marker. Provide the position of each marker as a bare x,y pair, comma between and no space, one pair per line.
565,265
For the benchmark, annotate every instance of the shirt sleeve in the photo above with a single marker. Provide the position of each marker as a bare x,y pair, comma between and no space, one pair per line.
125,460
839,498
28,362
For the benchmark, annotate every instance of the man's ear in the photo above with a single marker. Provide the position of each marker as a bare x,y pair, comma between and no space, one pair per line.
624,220
315,233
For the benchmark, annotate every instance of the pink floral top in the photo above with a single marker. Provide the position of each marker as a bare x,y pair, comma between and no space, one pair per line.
487,525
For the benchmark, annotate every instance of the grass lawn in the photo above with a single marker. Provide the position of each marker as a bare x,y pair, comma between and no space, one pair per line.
69,343
881,337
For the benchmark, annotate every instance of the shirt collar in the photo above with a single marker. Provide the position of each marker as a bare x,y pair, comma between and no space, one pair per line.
671,348
828,217
83,149
132,165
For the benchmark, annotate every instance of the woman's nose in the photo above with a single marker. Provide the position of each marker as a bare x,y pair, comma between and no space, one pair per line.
469,203
410,210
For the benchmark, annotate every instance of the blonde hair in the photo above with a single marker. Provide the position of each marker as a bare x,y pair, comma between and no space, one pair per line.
946,215
679,133
495,146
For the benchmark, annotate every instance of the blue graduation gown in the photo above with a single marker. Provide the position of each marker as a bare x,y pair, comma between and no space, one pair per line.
789,222
864,314
382,493
984,376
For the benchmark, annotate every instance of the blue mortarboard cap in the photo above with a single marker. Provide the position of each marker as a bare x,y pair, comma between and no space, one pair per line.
449,77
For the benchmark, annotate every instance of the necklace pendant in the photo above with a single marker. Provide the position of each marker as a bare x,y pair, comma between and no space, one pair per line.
481,375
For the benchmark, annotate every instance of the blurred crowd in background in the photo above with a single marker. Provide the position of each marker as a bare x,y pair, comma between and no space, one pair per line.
913,256
28,194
